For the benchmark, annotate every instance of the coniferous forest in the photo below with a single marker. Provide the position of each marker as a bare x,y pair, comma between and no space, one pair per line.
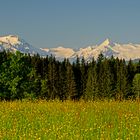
33,77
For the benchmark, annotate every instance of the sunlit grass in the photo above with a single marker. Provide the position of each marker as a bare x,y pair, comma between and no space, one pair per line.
70,120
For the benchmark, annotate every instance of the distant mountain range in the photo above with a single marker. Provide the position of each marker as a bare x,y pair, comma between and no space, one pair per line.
14,43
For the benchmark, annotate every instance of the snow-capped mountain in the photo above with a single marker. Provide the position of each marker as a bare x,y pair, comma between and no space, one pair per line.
123,51
107,48
13,43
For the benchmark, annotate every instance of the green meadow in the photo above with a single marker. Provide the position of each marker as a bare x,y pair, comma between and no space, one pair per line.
55,120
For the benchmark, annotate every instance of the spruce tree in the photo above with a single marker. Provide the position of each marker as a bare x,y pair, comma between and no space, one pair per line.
62,82
53,78
77,77
71,85
83,69
130,75
91,91
104,79
121,83
44,89
136,85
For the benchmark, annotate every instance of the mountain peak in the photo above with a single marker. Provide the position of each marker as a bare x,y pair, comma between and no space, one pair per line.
14,43
105,43
10,39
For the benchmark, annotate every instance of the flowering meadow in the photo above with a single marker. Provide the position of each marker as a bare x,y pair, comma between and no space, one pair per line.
69,120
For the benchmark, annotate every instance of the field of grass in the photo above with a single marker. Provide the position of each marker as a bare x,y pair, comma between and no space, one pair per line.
54,120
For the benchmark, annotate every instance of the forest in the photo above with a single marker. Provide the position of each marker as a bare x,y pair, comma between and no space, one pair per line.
33,77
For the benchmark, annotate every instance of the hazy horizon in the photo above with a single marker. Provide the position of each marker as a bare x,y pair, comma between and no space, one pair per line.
72,24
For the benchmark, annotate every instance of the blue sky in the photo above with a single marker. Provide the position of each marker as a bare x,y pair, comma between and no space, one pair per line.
71,23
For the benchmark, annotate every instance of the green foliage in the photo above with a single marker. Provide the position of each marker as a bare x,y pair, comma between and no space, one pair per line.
104,79
44,89
12,76
121,84
84,76
71,85
24,76
91,91
136,85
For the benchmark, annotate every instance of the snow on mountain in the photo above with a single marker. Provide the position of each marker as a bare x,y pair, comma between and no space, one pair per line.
13,43
106,48
11,39
123,51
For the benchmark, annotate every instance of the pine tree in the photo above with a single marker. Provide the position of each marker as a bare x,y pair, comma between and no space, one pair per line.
37,64
131,71
33,85
71,85
136,85
91,91
77,77
113,77
106,75
45,62
121,84
138,67
83,69
44,89
52,77
62,82
104,79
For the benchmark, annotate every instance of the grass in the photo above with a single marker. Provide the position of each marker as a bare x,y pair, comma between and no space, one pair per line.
54,120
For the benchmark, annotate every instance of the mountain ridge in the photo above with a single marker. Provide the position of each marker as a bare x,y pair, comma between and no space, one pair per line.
14,43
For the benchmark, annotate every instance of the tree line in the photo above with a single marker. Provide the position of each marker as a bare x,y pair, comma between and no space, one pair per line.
23,76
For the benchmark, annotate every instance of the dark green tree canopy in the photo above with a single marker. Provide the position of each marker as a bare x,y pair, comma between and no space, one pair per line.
24,76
